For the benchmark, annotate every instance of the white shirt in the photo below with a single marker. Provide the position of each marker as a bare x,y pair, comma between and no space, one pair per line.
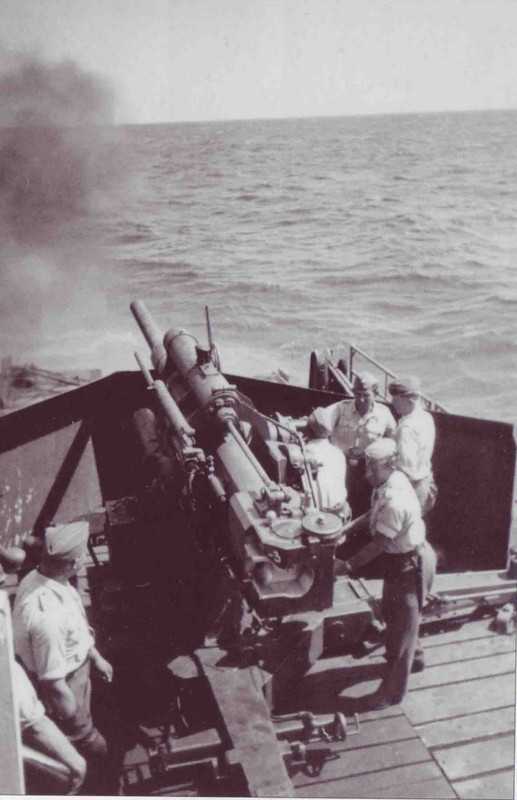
29,707
396,514
350,429
51,633
331,475
415,436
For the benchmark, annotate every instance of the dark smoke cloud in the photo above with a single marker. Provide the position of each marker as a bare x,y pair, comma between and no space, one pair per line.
58,168
52,152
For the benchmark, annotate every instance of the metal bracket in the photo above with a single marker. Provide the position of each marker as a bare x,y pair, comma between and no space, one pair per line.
324,728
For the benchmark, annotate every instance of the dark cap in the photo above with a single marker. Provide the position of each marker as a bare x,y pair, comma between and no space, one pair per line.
406,386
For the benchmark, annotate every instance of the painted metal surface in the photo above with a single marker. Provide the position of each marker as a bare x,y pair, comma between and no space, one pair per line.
11,770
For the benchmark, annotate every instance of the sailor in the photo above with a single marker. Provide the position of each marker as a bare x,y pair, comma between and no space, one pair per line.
397,531
330,481
415,437
354,426
43,735
54,642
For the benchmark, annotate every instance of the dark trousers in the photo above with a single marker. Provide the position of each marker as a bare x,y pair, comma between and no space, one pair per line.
407,582
358,487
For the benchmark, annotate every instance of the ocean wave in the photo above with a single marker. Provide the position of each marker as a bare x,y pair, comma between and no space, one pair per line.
153,270
288,223
129,238
396,249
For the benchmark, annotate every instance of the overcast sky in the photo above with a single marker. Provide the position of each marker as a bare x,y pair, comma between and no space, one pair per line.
170,60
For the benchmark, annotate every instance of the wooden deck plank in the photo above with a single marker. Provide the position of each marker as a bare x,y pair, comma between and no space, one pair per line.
387,781
468,760
365,761
380,731
442,702
471,629
471,726
470,648
325,691
466,693
460,671
437,788
462,651
499,786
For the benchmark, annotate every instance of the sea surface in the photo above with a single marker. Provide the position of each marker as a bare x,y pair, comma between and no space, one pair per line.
397,233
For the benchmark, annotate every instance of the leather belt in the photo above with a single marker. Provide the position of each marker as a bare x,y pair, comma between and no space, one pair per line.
401,562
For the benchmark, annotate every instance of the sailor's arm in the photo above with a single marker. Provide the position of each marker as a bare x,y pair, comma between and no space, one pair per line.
388,523
391,425
59,699
408,447
51,667
375,547
358,525
102,666
44,735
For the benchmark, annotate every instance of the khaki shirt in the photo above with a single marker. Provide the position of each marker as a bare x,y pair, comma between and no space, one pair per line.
350,429
396,514
415,436
51,633
331,475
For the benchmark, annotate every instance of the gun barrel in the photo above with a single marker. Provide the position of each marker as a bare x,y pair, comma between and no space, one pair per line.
151,334
213,392
181,427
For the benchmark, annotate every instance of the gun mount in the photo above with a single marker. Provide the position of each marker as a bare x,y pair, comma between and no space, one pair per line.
221,449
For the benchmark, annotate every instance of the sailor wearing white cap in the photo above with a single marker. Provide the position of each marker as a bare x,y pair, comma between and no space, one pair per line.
354,425
398,532
53,640
415,437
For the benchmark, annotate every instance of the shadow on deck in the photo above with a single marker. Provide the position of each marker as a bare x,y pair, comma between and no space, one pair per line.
454,735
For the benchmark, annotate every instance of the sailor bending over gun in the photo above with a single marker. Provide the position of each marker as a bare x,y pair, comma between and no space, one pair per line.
355,425
397,531
54,642
330,479
415,436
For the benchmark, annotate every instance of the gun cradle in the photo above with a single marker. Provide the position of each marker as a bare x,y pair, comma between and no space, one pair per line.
286,560
281,545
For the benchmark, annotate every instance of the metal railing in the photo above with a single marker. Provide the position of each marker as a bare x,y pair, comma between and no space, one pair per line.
386,378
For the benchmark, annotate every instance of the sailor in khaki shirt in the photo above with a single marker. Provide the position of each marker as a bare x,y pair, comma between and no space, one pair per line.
354,424
330,465
395,532
415,437
54,642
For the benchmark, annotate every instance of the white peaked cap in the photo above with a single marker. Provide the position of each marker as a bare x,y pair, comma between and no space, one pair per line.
381,449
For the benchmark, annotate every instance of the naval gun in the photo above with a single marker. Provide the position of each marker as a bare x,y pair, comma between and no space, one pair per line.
219,447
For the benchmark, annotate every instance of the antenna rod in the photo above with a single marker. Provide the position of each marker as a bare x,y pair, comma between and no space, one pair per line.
209,328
